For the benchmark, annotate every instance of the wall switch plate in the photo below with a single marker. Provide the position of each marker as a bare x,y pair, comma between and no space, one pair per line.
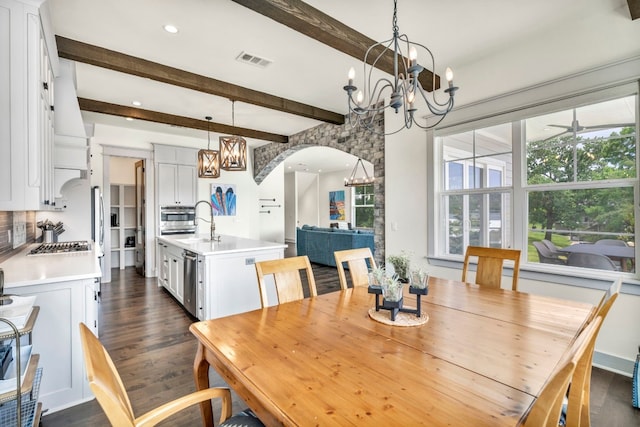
19,229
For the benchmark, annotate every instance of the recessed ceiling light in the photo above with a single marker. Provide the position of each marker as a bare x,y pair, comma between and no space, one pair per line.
170,28
319,170
137,103
130,119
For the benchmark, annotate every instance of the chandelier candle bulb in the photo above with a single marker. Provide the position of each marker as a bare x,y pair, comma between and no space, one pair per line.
449,75
352,74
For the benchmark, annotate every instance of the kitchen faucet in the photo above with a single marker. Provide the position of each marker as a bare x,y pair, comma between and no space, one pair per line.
213,224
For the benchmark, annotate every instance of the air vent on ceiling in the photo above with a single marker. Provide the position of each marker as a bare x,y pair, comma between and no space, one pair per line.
252,59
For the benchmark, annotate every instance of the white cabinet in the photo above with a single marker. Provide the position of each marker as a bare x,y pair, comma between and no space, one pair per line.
123,225
171,271
176,185
56,337
176,175
26,112
231,285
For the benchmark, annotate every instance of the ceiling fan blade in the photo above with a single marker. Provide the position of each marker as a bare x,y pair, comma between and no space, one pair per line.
556,135
610,125
567,128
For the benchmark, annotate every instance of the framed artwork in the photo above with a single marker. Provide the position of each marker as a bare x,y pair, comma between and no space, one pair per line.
223,199
336,205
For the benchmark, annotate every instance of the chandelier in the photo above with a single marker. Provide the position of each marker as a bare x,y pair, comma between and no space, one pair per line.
208,160
403,92
357,182
233,149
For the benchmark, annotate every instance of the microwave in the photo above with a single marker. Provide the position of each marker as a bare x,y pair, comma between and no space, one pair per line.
177,220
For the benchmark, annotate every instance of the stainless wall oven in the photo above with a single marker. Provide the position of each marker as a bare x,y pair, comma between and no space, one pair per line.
177,220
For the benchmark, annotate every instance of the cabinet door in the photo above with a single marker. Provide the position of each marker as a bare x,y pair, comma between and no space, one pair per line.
91,305
186,188
167,181
163,263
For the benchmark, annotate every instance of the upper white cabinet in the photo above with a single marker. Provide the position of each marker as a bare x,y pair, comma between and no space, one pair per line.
27,113
176,176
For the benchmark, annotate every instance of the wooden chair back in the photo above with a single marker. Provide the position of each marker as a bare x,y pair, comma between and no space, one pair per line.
356,259
107,386
286,275
578,406
546,410
490,262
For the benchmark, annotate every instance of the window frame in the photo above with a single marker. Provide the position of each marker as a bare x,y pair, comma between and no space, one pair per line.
354,207
520,190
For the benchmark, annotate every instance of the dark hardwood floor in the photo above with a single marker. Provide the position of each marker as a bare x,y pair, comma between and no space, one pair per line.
146,333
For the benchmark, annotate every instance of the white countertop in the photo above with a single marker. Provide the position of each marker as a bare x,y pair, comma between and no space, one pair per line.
25,270
201,244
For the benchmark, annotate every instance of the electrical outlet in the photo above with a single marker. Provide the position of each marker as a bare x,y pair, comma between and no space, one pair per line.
249,261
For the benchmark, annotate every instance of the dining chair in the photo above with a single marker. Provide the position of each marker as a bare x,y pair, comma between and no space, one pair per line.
356,260
547,408
579,397
546,256
287,278
490,261
107,386
587,260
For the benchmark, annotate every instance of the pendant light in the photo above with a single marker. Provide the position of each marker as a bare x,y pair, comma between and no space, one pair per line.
233,149
208,160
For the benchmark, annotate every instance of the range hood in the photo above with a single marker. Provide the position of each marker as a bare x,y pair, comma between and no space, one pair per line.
70,140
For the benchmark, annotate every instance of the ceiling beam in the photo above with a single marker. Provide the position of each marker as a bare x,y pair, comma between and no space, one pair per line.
105,58
170,119
634,8
311,22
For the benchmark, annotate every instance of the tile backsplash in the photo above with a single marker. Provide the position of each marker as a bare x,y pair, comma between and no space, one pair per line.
26,233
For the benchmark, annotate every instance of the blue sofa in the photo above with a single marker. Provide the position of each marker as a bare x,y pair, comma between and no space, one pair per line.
320,243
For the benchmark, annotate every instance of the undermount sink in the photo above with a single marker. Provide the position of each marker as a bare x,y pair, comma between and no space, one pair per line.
190,240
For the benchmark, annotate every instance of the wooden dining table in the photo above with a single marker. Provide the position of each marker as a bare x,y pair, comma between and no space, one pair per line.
481,359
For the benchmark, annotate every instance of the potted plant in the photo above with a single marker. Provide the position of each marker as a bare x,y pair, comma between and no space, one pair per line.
391,289
418,282
376,276
400,265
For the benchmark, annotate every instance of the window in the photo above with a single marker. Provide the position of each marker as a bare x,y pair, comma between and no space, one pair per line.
581,177
363,198
579,183
476,188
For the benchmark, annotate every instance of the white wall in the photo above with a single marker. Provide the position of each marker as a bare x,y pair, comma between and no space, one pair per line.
307,193
290,207
122,171
406,193
271,214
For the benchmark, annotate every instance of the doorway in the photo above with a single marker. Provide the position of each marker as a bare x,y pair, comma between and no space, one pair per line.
131,242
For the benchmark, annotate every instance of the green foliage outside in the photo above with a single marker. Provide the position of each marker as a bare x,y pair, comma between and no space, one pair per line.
569,160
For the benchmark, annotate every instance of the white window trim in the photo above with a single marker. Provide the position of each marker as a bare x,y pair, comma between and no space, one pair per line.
519,198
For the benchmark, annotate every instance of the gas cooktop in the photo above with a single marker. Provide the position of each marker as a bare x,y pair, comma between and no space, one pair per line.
61,247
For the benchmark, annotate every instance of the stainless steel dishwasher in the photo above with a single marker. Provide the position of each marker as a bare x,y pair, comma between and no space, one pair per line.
191,282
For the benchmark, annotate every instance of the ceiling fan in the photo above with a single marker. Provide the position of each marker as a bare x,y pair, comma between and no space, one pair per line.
576,128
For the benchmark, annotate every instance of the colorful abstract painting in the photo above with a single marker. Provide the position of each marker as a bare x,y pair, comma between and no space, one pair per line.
223,199
336,205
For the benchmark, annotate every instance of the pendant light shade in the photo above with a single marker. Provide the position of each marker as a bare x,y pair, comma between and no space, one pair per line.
208,160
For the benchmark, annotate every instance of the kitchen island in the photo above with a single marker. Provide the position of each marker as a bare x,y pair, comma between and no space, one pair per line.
214,279
66,287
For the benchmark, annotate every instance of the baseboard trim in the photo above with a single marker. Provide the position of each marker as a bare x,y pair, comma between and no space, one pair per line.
612,363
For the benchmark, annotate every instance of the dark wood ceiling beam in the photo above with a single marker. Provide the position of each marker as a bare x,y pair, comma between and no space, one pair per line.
170,119
634,8
311,22
105,58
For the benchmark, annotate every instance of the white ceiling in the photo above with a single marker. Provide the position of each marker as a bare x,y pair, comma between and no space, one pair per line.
494,46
